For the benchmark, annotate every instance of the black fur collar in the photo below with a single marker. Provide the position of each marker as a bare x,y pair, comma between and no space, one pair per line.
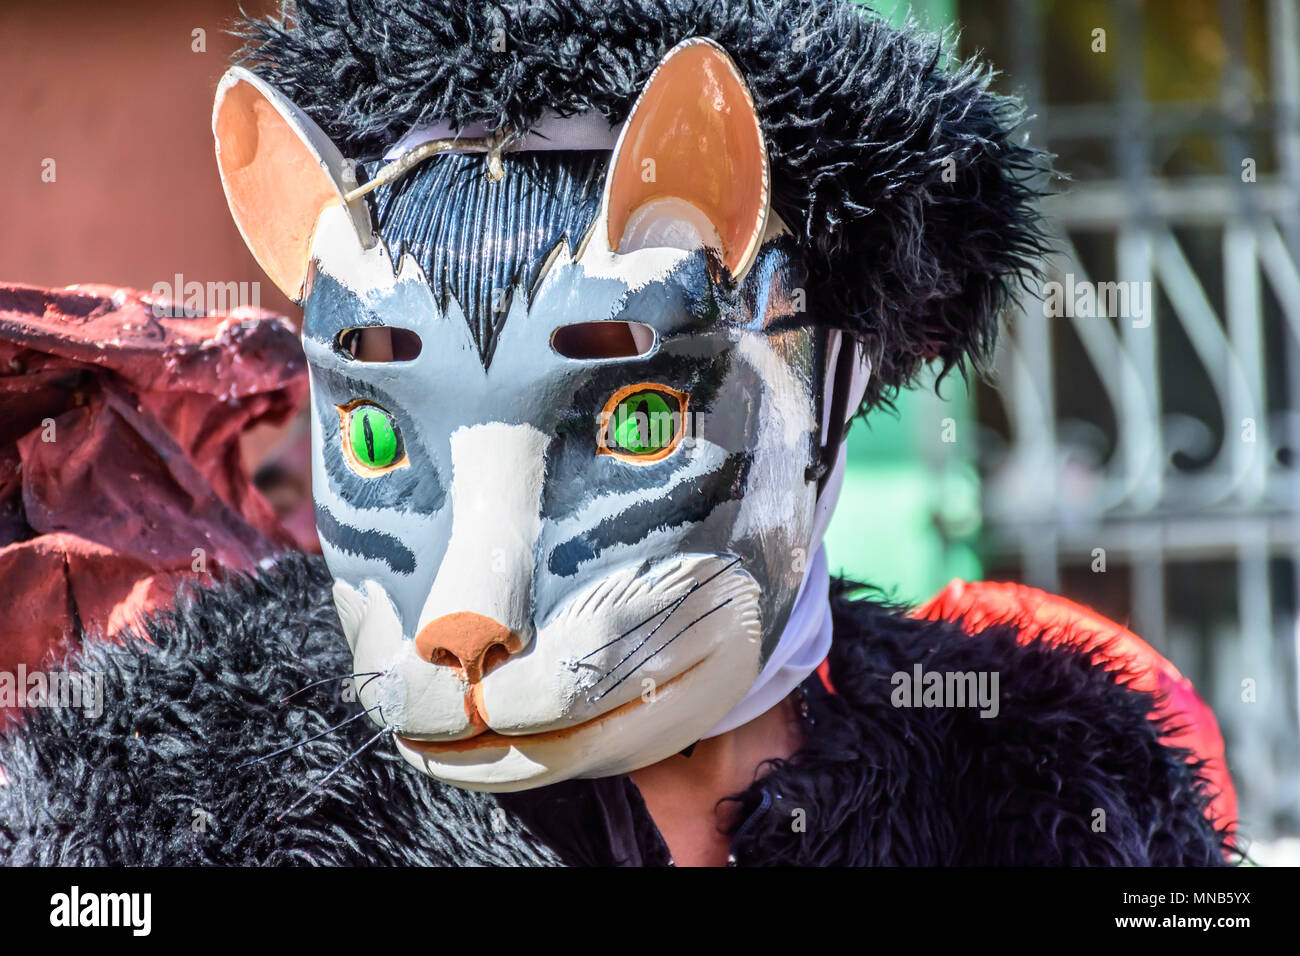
163,776
884,785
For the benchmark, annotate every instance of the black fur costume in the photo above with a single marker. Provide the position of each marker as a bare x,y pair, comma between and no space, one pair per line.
878,784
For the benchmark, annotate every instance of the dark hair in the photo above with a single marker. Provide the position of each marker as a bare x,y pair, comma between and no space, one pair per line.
903,176
477,239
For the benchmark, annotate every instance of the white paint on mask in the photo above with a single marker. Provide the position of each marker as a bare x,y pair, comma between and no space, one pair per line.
496,489
339,252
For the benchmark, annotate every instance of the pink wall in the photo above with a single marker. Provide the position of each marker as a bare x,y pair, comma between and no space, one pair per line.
113,92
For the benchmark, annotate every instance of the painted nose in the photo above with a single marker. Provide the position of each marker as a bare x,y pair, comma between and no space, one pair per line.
471,643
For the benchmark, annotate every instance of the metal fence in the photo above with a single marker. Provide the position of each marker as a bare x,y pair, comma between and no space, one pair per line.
1140,447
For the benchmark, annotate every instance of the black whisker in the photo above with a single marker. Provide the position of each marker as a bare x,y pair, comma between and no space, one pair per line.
642,643
328,680
373,675
295,746
320,783
671,609
651,656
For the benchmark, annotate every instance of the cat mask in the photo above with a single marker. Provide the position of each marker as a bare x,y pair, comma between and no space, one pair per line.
567,532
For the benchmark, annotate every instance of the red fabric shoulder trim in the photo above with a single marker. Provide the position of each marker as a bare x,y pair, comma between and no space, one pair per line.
1047,617
824,672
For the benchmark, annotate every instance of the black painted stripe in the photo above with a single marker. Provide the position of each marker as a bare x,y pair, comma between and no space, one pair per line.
366,544
688,503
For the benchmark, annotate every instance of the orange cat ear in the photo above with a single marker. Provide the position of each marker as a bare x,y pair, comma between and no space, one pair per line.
279,171
690,166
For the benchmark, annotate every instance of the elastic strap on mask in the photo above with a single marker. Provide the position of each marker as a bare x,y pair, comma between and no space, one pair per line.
837,394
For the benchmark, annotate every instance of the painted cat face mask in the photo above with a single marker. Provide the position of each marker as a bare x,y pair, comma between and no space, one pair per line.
569,424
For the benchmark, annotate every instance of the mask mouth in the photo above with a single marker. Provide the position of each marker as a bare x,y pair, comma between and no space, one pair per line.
639,663
491,739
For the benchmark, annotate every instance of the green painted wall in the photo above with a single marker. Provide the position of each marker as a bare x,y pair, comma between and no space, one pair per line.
909,510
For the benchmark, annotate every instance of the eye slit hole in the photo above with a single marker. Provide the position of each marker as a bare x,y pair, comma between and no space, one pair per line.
603,340
378,343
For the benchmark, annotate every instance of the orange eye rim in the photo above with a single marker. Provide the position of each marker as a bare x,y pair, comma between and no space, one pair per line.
607,413
345,432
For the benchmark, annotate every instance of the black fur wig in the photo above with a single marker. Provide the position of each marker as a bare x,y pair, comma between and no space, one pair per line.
905,178
193,760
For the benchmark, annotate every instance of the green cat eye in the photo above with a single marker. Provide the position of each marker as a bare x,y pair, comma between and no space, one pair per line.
374,436
644,422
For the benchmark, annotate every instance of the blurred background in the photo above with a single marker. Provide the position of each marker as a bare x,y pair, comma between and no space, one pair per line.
1143,464
1141,460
